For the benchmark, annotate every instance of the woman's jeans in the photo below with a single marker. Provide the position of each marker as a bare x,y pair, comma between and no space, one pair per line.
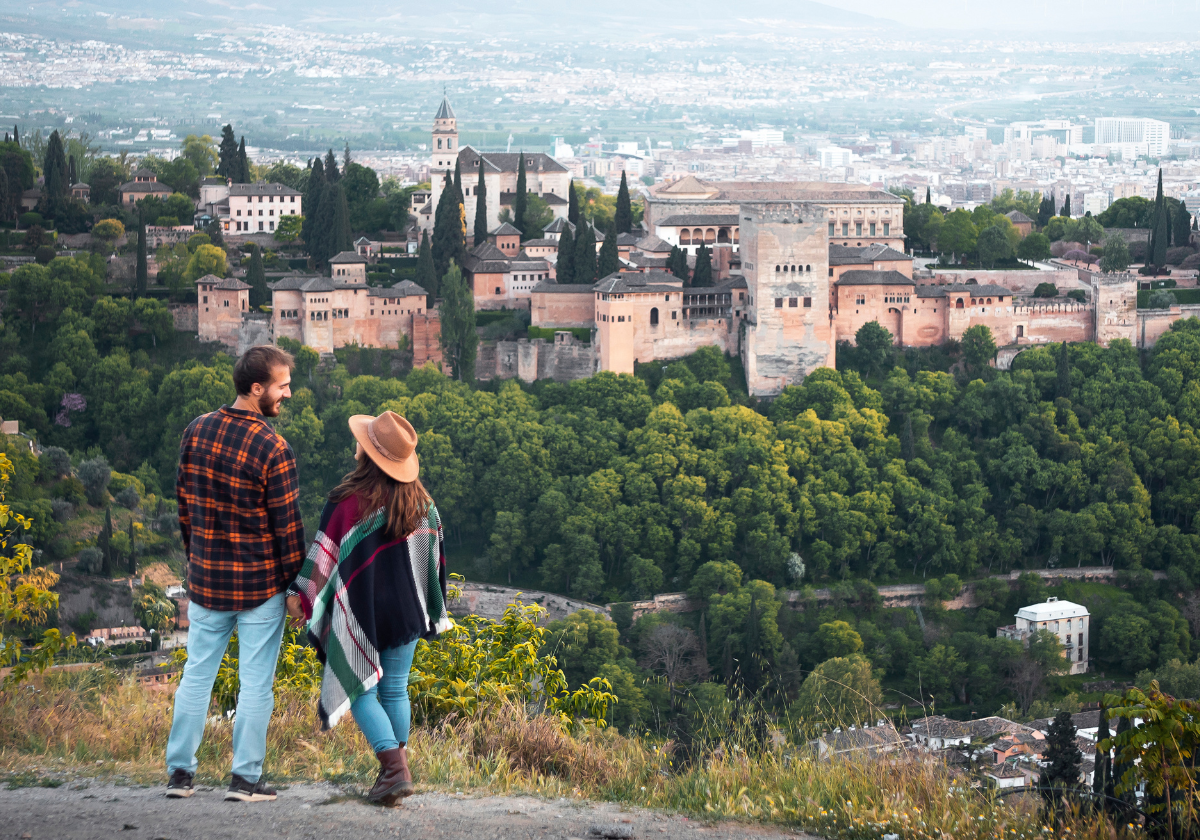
259,633
384,713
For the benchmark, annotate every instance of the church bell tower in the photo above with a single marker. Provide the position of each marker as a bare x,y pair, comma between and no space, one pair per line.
445,140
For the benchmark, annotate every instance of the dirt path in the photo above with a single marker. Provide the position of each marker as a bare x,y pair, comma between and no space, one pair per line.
100,811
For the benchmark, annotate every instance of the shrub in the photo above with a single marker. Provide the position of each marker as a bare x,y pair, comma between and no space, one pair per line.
27,220
1045,290
1161,299
166,221
95,475
54,463
1078,294
44,254
1176,256
91,561
62,509
127,498
71,489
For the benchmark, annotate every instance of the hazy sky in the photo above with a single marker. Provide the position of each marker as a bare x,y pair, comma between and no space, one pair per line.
1179,17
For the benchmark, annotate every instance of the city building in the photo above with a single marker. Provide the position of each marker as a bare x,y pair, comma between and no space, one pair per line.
1066,620
544,176
144,183
502,273
1155,135
255,208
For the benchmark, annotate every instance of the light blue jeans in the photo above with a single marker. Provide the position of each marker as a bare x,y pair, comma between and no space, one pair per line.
384,713
260,631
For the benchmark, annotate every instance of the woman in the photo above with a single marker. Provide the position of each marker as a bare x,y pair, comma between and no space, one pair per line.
373,584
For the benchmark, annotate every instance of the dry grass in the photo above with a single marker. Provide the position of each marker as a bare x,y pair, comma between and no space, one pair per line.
89,723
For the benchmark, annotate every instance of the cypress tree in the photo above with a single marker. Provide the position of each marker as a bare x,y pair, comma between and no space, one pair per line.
1066,208
1063,383
458,181
104,543
1045,211
16,135
313,192
927,198
132,550
702,275
609,261
521,198
142,276
585,255
573,205
459,339
72,176
341,237
677,264
623,217
1182,224
243,163
331,168
564,269
481,220
447,240
322,246
55,188
426,276
228,162
1102,777
1064,760
1160,233
256,277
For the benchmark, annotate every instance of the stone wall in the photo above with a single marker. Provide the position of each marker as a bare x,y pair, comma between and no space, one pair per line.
490,601
1153,324
186,316
1021,282
255,330
562,360
1053,321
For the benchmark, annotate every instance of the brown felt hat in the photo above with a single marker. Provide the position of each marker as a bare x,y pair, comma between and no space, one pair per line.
390,441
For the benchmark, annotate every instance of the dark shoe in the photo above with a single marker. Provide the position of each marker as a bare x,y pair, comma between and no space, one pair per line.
241,790
180,785
395,780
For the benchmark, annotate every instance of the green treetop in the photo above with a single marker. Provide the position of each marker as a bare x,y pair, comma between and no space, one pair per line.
623,218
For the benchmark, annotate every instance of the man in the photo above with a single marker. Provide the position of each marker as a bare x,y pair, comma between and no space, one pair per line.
238,509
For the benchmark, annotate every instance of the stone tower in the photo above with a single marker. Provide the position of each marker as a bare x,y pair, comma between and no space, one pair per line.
1115,297
785,260
445,140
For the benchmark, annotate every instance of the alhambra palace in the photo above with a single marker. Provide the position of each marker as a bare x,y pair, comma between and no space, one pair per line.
797,268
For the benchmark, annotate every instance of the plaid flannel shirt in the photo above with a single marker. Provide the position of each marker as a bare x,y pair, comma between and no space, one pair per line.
239,510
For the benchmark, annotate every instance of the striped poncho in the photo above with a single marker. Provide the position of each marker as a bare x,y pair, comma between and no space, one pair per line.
365,592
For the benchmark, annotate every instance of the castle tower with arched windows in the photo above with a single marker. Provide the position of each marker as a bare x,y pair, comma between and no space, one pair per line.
445,140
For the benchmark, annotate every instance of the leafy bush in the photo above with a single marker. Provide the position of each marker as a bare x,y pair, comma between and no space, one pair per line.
27,220
95,475
127,498
91,560
69,489
1077,294
1045,290
582,334
1161,299
1176,256
62,509
55,463
44,254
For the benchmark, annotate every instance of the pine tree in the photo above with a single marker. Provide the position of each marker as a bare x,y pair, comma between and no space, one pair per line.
243,164
313,193
585,255
521,199
1063,384
623,217
481,219
426,276
256,277
331,168
346,157
104,543
677,264
702,274
55,188
564,269
142,276
1061,760
927,197
1066,208
228,162
341,237
573,205
447,240
459,339
132,550
609,260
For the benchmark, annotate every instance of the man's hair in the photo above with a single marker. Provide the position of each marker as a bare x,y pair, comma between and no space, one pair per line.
257,366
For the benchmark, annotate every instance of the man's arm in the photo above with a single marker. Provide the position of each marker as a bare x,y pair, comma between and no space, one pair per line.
182,486
283,512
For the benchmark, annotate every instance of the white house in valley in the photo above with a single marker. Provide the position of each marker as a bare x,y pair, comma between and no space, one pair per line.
1066,620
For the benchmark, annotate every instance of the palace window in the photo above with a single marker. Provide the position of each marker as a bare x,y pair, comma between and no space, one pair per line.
779,303
858,228
791,303
654,317
887,229
845,228
831,228
808,303
872,228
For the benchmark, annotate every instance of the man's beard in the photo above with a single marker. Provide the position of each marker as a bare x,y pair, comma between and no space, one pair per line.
268,406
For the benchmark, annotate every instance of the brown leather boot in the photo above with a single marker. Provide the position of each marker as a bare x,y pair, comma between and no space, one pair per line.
393,776
406,782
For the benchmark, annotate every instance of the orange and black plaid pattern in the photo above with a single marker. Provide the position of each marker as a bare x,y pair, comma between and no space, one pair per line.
239,510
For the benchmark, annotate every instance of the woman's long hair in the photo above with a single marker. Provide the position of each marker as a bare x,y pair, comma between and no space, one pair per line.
406,503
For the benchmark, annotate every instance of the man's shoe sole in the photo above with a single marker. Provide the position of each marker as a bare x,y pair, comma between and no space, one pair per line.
179,793
239,796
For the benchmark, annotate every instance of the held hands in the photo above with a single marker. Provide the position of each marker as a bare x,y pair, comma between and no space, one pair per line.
295,611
